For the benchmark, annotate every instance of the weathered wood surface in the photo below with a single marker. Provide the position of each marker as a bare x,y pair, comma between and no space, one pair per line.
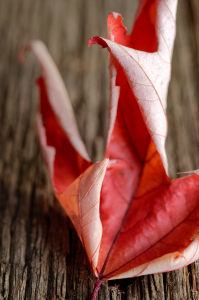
41,256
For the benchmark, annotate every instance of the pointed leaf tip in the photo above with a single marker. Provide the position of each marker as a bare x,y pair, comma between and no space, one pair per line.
97,40
190,172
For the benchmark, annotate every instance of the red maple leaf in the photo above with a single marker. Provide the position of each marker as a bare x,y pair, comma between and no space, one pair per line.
130,216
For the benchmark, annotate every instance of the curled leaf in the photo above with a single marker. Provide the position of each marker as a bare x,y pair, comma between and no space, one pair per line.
130,216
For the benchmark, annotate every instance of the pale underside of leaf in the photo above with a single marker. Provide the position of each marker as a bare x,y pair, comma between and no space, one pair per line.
81,202
190,172
114,90
48,151
114,97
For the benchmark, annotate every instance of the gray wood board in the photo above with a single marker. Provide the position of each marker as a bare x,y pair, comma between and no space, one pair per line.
41,256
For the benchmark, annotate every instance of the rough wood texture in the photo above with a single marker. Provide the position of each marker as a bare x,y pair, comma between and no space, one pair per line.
41,256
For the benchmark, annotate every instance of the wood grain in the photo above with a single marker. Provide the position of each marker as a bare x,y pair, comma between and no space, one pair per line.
41,256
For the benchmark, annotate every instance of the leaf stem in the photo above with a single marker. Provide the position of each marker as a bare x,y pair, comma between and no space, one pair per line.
96,289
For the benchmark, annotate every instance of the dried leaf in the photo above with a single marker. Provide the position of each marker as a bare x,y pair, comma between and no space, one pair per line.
130,216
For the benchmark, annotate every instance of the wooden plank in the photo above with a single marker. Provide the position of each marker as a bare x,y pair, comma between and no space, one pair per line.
41,256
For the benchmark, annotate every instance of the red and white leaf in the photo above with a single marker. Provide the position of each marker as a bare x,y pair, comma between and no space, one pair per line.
81,202
136,192
162,221
56,125
130,216
168,262
76,185
148,74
